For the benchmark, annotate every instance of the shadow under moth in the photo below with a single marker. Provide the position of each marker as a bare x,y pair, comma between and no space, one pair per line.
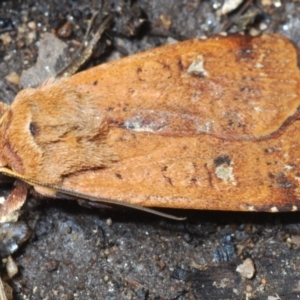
202,124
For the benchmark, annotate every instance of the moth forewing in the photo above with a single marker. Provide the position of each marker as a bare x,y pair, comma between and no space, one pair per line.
49,190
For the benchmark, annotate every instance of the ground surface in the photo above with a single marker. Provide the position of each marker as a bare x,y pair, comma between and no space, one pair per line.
79,253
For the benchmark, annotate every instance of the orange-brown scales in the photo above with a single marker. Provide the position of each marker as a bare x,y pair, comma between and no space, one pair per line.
201,124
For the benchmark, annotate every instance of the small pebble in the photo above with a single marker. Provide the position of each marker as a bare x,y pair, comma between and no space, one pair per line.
65,31
165,21
266,2
32,25
246,269
13,78
5,38
230,5
11,267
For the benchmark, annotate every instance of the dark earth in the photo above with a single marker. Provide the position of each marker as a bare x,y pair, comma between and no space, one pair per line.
89,253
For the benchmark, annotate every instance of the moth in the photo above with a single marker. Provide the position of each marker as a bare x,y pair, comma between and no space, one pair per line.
202,124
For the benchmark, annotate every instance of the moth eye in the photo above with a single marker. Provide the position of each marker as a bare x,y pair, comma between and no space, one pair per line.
34,130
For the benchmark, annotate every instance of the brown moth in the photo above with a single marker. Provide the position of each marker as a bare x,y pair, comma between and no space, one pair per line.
201,124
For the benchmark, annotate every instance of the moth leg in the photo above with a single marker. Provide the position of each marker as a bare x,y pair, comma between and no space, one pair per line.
45,191
84,54
9,209
83,203
90,204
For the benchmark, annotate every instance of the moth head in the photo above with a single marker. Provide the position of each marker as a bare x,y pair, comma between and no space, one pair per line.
13,139
54,131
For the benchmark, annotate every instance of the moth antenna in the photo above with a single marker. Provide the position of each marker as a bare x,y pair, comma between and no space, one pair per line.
10,173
